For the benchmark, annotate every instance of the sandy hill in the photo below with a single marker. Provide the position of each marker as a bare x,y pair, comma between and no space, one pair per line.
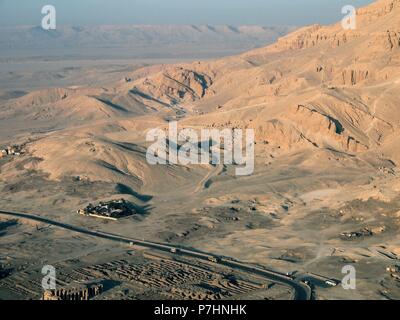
321,89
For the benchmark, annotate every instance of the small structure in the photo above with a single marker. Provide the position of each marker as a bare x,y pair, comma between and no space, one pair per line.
74,294
111,210
393,269
14,150
366,232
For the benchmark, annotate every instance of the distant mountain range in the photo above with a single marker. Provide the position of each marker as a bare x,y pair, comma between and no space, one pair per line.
143,41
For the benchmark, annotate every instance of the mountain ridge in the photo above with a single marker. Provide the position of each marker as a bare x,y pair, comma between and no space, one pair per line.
321,97
26,37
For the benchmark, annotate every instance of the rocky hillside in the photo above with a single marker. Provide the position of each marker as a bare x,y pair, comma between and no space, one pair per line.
323,92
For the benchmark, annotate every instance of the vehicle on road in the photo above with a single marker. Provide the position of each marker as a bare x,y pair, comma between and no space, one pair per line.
331,283
303,290
214,259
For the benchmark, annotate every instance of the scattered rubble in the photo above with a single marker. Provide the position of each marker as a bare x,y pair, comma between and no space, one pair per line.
378,230
394,271
14,150
366,232
4,272
388,171
111,210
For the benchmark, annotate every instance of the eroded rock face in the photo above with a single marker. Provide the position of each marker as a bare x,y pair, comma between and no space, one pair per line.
352,76
378,9
176,85
318,88
383,38
307,126
315,36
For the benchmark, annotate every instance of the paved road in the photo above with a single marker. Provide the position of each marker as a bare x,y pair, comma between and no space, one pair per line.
302,291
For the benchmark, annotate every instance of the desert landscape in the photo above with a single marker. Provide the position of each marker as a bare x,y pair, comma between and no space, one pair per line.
323,103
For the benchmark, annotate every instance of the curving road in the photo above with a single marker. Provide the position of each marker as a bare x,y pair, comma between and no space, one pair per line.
302,291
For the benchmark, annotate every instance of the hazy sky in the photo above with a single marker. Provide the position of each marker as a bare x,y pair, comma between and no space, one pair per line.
234,12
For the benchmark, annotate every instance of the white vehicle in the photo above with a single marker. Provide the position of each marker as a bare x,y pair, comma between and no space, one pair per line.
331,283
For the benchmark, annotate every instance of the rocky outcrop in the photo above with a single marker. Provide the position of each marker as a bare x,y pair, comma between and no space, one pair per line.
176,85
323,130
315,36
377,10
335,36
353,76
389,39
